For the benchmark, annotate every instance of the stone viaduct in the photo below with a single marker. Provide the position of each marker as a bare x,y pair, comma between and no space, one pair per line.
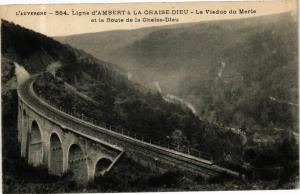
61,142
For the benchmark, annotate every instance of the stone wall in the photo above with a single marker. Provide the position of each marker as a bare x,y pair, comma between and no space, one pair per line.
92,144
44,143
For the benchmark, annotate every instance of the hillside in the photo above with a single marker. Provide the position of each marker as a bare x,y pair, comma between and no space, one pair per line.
112,98
77,81
102,44
228,70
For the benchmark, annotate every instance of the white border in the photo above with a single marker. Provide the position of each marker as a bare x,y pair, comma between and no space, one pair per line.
3,2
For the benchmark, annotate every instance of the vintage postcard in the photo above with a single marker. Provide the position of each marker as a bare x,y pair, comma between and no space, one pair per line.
149,97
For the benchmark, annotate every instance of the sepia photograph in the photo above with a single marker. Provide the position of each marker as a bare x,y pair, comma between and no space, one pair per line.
149,97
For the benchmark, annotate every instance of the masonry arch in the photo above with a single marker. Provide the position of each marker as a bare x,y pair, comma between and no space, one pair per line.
56,155
35,148
24,126
24,121
77,163
24,114
102,165
23,130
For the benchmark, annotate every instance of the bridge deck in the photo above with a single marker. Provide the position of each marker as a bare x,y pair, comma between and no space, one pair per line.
87,129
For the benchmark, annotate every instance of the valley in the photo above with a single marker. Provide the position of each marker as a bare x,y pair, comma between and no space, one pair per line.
209,86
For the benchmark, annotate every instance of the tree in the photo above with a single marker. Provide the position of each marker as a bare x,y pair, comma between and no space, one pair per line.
178,140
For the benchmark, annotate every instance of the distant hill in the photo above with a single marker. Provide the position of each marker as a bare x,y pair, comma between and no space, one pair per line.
228,70
101,44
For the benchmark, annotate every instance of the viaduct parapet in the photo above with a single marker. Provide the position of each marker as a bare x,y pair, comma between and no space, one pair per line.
61,142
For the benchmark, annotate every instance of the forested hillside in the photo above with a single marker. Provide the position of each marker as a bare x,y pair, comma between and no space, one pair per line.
112,99
81,83
119,101
240,73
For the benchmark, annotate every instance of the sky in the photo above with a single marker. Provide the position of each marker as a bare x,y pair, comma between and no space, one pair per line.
55,25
